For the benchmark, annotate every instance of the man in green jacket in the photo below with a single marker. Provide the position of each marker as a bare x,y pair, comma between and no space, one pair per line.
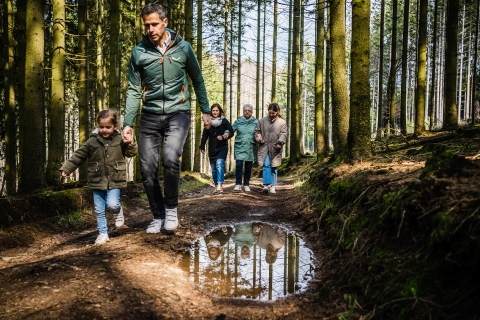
157,76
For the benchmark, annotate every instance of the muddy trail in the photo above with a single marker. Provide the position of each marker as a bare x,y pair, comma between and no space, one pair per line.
137,275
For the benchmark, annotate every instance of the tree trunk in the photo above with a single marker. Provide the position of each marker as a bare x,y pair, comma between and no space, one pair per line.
257,90
460,76
274,53
56,144
434,65
359,140
295,135
403,103
420,98
10,176
475,56
137,175
340,105
187,147
225,54
263,57
84,124
239,57
113,82
392,87
328,81
198,112
450,114
301,80
32,114
380,69
289,78
319,48
100,97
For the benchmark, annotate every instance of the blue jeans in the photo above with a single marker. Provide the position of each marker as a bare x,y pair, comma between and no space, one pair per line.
239,172
269,172
171,130
103,199
218,171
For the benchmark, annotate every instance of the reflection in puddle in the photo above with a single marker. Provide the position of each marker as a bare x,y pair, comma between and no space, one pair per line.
250,260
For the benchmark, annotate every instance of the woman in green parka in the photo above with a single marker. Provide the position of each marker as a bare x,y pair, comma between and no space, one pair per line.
244,147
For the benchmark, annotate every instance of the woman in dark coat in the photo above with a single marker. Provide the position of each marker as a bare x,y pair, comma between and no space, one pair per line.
217,135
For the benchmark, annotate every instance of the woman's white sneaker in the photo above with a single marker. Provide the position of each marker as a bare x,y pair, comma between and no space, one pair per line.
155,226
246,188
237,188
171,219
272,189
119,218
102,238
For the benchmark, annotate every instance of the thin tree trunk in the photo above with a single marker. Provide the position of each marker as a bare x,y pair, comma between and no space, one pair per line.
198,112
468,75
225,54
420,98
56,143
113,83
403,104
295,136
263,56
100,97
137,175
328,62
84,125
359,139
289,77
392,87
257,86
230,142
320,142
274,53
450,114
460,71
475,56
239,58
434,65
380,69
340,104
10,177
301,97
187,147
32,114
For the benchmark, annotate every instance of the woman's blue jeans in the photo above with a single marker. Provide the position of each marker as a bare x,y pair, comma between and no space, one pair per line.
103,199
269,172
239,172
218,171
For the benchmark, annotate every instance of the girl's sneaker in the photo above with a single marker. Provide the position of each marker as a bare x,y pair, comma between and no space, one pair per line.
119,218
102,238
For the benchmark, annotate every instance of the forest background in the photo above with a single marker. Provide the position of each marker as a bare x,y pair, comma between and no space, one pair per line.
346,73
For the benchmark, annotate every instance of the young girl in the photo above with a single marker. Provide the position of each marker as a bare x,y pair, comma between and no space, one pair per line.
106,154
217,134
271,134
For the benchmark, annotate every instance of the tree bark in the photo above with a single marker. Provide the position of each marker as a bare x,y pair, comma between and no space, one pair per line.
84,124
257,90
239,57
295,136
420,98
434,66
392,87
289,77
137,175
113,82
450,120
187,147
380,69
10,176
198,112
274,53
56,144
475,56
32,114
403,99
340,104
319,49
328,81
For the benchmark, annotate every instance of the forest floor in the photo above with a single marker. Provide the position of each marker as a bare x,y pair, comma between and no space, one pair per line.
50,268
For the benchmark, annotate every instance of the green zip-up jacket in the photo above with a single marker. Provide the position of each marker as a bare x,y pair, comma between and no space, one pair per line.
160,80
107,168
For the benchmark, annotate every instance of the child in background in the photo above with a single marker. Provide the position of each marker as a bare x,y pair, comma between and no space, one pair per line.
107,170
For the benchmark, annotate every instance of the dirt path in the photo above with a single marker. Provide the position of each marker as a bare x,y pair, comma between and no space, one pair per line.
138,275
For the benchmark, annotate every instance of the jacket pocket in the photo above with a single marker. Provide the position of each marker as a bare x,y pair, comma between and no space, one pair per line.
120,174
94,174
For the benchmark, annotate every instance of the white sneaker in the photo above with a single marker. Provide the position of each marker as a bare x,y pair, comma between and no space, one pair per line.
246,188
265,188
155,226
102,238
119,218
171,219
272,189
237,188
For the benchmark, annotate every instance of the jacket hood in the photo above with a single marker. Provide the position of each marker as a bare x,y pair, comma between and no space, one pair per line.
175,36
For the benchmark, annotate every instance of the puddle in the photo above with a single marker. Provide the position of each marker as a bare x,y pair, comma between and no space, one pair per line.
250,260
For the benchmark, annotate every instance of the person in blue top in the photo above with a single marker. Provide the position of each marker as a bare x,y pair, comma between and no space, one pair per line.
244,150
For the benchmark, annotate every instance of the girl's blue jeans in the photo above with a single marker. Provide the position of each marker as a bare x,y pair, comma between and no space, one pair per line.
218,171
103,199
269,172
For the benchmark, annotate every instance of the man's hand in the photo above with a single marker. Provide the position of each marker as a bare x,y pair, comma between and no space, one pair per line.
127,135
206,120
64,174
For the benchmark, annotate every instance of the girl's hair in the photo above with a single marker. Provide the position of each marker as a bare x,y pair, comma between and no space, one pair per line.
108,114
216,105
275,107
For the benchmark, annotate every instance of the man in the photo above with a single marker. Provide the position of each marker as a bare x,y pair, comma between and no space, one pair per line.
158,76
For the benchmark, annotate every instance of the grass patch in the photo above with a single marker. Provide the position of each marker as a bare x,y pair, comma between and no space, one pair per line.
191,181
72,221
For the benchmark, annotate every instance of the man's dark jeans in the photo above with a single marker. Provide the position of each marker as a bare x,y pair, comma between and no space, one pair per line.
239,172
172,129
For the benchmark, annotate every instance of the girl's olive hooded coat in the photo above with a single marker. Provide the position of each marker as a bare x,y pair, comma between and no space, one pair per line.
107,168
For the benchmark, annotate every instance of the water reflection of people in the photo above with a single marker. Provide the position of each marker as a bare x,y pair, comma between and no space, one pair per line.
269,238
243,237
216,241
